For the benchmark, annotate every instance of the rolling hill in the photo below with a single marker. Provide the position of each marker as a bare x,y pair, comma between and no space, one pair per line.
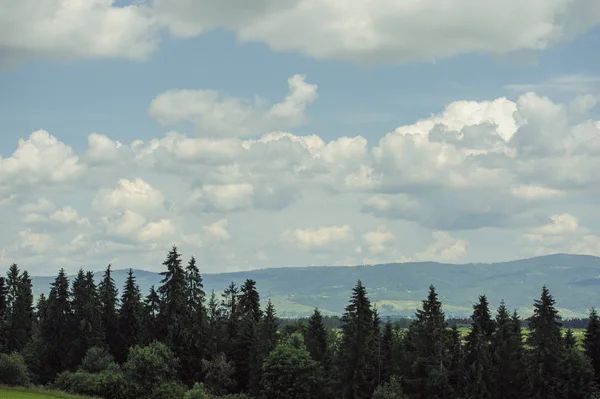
398,288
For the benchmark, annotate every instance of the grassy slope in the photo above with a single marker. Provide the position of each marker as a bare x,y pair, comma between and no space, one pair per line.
35,393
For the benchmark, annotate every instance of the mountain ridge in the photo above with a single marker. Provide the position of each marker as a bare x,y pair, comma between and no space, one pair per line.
398,288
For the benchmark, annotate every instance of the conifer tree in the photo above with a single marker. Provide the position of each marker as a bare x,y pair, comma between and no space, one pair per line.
215,330
247,354
151,311
3,313
478,381
130,317
315,338
507,356
427,374
231,312
387,352
268,330
56,329
249,300
455,363
195,323
108,294
591,342
578,373
547,349
357,345
87,322
19,317
174,301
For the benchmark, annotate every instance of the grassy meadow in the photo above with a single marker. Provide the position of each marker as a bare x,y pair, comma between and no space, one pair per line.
35,393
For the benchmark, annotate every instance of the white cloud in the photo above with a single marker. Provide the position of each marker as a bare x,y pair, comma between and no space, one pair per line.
129,195
223,198
377,240
444,248
217,115
36,243
41,159
319,239
562,234
213,234
384,31
73,29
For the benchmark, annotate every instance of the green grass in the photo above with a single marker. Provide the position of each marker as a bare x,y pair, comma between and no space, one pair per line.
35,393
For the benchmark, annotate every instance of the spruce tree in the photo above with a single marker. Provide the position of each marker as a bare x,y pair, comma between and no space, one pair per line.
215,328
57,328
108,294
249,300
387,352
87,322
478,382
150,314
578,373
356,346
3,313
547,350
268,330
231,312
507,356
455,363
427,374
315,338
130,317
19,317
591,342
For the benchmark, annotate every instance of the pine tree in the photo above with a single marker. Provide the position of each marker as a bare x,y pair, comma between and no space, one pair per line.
427,374
249,300
215,330
268,330
591,342
547,349
108,294
387,352
478,382
231,312
87,327
173,297
315,338
19,314
455,362
57,328
3,313
578,373
357,345
507,356
151,311
246,359
130,317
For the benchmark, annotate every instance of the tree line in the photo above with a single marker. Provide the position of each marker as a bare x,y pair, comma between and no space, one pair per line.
178,342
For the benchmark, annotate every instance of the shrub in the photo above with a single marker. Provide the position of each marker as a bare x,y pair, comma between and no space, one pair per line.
107,384
168,390
96,360
151,365
199,391
13,370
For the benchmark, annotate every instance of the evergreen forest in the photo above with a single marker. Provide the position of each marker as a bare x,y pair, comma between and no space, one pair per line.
177,341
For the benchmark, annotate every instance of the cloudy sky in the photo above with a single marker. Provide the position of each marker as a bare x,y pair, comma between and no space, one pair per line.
266,133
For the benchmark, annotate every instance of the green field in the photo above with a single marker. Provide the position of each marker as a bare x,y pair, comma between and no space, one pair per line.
35,393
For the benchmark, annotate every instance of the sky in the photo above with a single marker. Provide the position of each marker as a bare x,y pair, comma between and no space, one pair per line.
272,133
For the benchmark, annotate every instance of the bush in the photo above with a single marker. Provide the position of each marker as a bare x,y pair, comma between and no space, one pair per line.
168,390
151,365
390,390
13,370
199,391
107,384
97,360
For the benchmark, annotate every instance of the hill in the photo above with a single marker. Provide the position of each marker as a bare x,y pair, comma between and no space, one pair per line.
398,288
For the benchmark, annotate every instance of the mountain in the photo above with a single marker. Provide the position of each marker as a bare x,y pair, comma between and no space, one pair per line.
399,288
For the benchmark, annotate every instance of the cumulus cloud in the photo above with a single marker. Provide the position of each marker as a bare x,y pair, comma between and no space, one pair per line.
319,239
563,233
74,29
217,115
128,195
41,159
383,31
377,240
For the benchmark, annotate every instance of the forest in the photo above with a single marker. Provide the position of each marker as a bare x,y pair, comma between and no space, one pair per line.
178,341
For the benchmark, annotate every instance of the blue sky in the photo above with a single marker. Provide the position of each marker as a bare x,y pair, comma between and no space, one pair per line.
448,188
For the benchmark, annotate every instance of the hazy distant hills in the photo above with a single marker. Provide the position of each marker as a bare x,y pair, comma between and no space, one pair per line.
398,288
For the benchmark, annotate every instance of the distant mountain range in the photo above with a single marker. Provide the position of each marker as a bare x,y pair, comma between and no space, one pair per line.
399,288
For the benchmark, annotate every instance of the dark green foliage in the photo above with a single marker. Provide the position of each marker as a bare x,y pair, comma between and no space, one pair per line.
545,357
249,300
87,322
358,337
108,384
150,322
387,352
97,360
591,342
578,373
215,328
195,325
219,375
56,330
390,390
130,317
108,295
478,383
18,314
268,330
147,367
13,370
507,356
290,373
315,339
427,371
